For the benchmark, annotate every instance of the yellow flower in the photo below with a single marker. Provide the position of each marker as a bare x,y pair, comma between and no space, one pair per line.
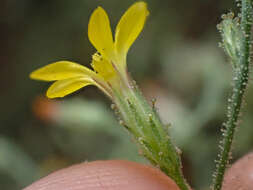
109,63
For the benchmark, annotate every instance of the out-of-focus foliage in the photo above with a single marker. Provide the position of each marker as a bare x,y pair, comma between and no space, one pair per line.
176,60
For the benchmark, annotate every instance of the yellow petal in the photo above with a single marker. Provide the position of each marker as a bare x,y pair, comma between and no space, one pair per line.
61,70
100,34
62,88
130,26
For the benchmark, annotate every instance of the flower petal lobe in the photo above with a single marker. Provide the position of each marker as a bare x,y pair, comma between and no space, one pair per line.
100,34
130,26
62,88
61,70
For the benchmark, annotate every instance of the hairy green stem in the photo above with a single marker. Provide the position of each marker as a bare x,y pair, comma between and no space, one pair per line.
142,121
241,73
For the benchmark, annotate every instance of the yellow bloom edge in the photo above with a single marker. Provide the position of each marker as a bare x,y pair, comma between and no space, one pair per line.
109,63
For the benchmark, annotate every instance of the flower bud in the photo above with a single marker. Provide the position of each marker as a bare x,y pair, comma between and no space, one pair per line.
231,36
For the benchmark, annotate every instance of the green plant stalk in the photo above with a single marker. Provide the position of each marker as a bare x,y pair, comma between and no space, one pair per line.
241,74
142,121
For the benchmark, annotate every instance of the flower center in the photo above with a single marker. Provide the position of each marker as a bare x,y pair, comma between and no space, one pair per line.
103,67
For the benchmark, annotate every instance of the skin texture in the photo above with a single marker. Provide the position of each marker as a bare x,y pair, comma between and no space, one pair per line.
106,175
240,175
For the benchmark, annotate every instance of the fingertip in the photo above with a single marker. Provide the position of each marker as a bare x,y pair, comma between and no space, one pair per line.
240,175
111,175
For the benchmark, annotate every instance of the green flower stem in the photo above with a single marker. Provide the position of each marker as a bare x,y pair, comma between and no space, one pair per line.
240,83
142,121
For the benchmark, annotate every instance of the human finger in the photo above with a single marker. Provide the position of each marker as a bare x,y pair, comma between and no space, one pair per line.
106,175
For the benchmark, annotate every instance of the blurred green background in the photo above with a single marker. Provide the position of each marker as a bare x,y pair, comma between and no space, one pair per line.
176,60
